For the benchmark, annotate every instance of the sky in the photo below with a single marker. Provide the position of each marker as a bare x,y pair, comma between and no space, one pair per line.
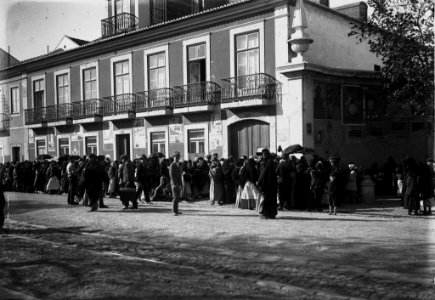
29,26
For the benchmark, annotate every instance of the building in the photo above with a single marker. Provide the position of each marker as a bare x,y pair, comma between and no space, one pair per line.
203,77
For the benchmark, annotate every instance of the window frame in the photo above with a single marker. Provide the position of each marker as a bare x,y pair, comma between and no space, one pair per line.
65,89
151,130
156,68
151,51
187,128
45,146
197,141
242,30
114,60
89,66
40,79
59,138
204,39
15,109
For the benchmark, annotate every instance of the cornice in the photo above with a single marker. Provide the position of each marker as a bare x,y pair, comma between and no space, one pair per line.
146,35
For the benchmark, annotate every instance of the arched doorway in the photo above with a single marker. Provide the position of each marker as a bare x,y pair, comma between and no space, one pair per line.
246,136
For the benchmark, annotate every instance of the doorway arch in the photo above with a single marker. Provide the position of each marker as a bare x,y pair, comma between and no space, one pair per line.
246,136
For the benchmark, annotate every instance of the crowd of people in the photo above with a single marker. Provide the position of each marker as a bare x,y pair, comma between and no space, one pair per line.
265,183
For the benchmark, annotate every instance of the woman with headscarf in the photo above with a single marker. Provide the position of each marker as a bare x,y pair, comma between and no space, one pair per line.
248,178
267,185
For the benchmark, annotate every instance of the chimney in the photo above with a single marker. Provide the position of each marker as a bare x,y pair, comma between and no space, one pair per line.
356,10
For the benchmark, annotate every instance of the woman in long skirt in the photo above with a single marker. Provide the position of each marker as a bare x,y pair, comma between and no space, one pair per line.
217,189
248,177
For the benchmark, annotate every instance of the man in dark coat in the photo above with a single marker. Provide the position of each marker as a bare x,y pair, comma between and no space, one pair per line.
141,180
176,182
94,176
267,185
284,172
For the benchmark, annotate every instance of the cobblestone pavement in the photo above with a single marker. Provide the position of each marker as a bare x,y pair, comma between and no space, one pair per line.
366,251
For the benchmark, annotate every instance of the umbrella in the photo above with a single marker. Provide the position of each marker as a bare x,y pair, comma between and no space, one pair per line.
293,149
44,156
307,151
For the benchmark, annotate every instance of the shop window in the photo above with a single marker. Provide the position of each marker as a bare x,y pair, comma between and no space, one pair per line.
63,147
196,141
91,145
41,147
158,142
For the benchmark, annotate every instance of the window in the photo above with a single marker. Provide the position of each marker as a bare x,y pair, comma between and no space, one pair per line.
157,71
196,141
197,6
196,63
158,142
158,11
40,147
63,147
90,83
38,93
121,6
247,54
62,86
91,145
15,101
122,77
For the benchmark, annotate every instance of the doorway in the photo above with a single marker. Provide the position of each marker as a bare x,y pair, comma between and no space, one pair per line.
122,145
247,136
16,153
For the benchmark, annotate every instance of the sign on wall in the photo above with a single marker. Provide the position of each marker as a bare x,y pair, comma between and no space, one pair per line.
175,133
139,137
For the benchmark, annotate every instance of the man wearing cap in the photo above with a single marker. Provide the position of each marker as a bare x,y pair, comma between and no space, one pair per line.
176,181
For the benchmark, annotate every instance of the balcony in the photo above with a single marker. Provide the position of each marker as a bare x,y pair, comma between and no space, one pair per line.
60,114
88,111
119,107
250,90
202,96
155,102
5,122
120,23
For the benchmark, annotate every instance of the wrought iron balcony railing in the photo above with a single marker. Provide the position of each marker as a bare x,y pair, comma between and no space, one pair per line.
255,86
119,104
35,115
5,122
201,93
59,112
120,23
90,108
155,99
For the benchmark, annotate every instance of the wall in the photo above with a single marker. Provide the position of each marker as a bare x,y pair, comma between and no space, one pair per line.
332,47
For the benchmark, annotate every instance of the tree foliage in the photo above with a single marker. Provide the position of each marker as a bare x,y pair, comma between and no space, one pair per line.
401,33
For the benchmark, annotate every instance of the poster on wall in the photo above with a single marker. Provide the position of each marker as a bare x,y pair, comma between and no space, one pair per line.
175,133
353,105
108,135
139,137
31,137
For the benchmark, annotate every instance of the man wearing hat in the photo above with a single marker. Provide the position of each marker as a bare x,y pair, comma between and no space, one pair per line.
176,182
141,180
94,177
267,185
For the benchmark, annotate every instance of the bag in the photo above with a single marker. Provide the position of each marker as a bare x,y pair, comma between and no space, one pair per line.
53,184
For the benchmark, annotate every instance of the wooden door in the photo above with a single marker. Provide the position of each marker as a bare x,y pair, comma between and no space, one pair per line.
247,136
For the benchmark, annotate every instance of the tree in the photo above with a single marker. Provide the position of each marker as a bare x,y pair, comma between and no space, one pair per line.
401,33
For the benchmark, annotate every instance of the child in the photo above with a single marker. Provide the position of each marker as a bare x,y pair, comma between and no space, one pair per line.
331,193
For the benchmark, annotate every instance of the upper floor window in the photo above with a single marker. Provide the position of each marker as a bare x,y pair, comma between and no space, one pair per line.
197,6
62,86
122,77
247,54
38,93
90,83
196,63
121,6
157,71
15,101
158,11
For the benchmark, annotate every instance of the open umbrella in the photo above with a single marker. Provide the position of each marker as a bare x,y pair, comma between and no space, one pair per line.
306,151
293,149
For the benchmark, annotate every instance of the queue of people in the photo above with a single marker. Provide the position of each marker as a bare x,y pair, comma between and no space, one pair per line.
265,183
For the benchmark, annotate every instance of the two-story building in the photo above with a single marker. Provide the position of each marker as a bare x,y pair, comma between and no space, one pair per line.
203,77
